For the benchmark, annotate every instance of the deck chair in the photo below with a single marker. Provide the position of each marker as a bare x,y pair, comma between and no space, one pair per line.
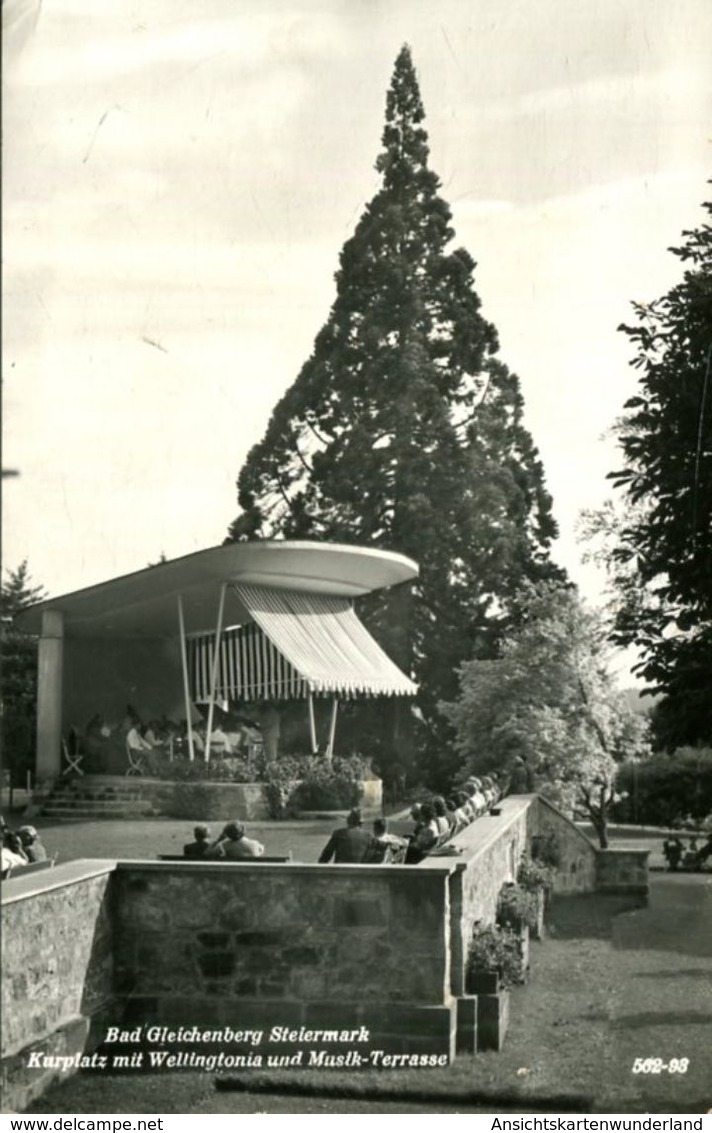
72,763
137,760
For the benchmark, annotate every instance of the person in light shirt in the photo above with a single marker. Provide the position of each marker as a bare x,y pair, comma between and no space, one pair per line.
135,740
233,844
220,742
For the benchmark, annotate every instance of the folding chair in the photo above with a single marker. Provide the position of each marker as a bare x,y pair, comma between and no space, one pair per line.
72,762
137,760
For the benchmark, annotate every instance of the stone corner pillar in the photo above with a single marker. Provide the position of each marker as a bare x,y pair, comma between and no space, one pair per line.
50,665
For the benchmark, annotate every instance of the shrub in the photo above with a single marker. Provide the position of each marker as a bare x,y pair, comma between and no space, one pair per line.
224,769
195,800
496,948
516,906
309,782
534,874
664,790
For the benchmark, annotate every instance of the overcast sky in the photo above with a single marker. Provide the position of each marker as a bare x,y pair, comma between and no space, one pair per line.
180,176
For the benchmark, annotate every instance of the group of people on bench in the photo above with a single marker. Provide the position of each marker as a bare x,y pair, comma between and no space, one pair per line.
231,845
692,858
434,823
20,848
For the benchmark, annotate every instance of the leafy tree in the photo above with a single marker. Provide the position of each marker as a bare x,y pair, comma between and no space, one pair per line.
548,701
403,430
661,556
19,673
667,789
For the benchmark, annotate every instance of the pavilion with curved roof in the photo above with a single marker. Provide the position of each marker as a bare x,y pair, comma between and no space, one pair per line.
268,621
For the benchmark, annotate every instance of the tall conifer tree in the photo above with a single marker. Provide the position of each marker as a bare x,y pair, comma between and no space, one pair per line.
403,430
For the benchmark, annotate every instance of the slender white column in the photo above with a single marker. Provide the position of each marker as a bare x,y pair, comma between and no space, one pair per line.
215,668
332,728
312,723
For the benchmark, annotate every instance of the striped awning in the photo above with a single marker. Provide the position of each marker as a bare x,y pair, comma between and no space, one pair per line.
297,644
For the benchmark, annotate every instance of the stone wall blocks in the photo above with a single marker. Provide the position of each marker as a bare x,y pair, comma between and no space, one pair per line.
358,913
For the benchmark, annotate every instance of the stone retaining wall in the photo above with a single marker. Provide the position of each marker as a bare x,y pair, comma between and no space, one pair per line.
58,958
622,872
261,945
577,868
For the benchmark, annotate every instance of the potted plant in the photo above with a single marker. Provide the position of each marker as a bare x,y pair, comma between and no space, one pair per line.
536,878
494,964
494,960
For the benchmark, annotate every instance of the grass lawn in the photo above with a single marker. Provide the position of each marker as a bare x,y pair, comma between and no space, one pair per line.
147,837
608,986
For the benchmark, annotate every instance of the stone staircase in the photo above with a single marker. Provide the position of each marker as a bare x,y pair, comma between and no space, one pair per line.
98,796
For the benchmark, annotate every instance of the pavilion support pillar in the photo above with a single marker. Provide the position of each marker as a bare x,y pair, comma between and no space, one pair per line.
332,729
50,666
312,723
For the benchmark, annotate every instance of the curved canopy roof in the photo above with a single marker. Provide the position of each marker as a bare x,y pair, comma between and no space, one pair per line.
144,604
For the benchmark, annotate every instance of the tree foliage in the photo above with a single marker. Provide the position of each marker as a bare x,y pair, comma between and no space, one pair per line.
549,700
661,557
667,789
403,430
19,672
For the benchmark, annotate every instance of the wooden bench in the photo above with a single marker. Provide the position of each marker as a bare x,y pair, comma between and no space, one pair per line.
224,861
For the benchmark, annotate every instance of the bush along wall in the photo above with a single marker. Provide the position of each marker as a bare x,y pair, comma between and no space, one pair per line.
299,783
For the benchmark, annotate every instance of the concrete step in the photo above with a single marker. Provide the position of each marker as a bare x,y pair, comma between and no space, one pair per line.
62,812
99,796
97,804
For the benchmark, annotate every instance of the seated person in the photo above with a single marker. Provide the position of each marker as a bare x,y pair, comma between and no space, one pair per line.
350,843
385,847
705,852
690,858
32,844
219,742
11,860
135,740
441,818
198,741
424,837
477,796
13,854
199,847
153,734
233,845
487,789
673,851
465,808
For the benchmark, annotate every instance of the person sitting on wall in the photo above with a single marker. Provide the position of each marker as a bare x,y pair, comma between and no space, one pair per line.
199,847
11,860
385,847
441,817
466,807
478,799
233,845
32,844
13,854
425,836
350,843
